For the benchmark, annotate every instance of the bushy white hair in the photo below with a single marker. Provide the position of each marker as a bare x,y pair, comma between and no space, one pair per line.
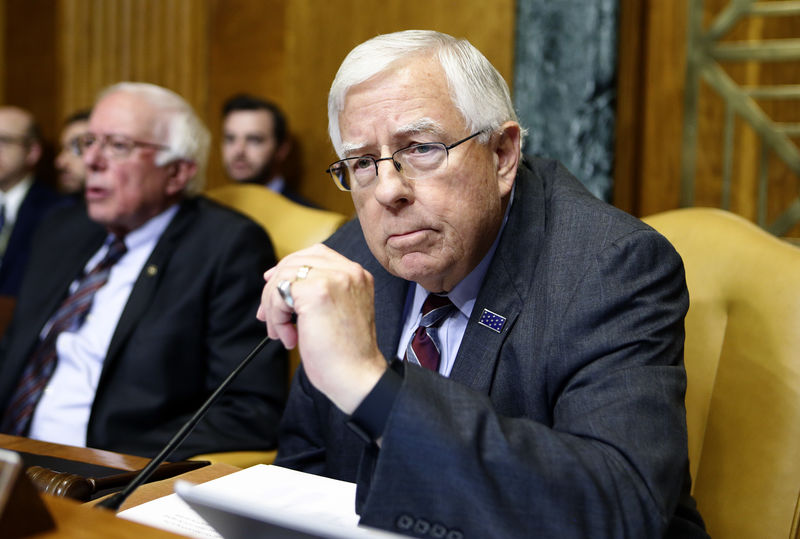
478,91
179,127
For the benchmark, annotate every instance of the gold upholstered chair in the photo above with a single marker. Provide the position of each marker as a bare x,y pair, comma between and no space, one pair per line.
742,361
291,227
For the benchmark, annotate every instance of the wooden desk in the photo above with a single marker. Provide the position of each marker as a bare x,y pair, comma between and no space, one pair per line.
79,521
76,520
157,489
82,454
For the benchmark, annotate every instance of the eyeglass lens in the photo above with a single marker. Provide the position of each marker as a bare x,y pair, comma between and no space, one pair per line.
414,163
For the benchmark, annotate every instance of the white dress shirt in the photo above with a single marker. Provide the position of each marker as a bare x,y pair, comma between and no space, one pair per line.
10,201
62,415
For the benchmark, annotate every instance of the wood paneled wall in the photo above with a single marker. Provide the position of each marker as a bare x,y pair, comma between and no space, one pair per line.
206,50
652,68
29,67
2,51
160,41
247,53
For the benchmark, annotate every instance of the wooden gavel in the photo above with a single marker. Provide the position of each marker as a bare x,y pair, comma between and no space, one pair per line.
76,487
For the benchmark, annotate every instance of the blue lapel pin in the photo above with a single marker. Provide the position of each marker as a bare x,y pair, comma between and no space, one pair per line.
491,320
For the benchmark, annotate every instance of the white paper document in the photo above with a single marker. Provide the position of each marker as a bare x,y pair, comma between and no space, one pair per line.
172,514
309,503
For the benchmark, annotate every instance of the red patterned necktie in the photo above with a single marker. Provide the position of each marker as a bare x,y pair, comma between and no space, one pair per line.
424,347
42,362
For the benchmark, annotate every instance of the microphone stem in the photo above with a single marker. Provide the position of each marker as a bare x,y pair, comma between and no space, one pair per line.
114,502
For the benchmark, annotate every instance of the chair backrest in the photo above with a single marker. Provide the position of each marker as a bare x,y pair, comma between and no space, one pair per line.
290,226
742,359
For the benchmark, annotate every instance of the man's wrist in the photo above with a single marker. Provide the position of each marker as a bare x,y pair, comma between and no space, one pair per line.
370,417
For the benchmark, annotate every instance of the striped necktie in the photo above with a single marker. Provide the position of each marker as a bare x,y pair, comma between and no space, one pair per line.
70,315
424,347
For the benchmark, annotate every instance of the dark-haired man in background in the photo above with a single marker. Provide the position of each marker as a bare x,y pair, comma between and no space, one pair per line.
256,143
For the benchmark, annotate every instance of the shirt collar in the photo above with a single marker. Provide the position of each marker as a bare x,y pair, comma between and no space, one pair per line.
153,228
12,199
276,184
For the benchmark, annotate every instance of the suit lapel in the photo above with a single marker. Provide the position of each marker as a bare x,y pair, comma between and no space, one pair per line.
479,351
54,291
146,284
504,290
506,285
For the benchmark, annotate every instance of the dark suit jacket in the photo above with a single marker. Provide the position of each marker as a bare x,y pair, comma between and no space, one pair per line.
569,422
39,200
190,319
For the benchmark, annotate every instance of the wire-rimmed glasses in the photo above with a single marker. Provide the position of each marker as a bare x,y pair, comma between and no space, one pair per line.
413,162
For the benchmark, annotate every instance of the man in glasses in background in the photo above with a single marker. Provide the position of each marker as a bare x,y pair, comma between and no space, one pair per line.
69,164
488,350
136,307
23,200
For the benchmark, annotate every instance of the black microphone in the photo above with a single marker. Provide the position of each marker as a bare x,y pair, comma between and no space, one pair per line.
115,501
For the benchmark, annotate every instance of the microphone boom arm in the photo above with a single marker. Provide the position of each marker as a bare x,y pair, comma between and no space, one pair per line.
114,502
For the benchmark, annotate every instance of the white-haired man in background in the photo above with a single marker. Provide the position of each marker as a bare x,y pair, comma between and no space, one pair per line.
541,330
134,308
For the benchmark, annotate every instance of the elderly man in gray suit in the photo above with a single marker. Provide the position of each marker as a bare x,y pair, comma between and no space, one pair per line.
488,350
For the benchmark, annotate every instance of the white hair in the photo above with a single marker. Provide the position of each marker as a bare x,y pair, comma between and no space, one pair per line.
179,127
478,91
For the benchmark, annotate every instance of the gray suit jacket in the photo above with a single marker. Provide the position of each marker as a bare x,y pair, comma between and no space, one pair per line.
569,422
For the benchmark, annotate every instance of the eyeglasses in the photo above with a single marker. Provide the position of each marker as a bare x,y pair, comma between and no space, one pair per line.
8,140
414,162
72,146
114,146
